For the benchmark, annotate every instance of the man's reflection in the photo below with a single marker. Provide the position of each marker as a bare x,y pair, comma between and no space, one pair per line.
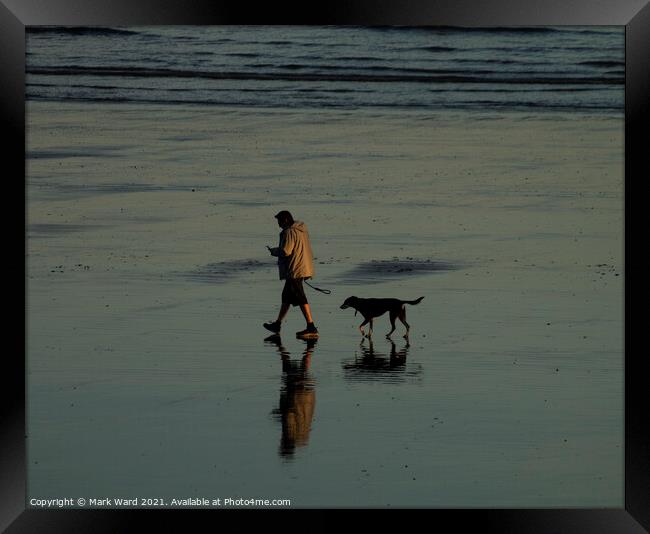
297,397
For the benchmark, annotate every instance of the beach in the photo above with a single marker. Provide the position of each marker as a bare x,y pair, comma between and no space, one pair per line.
148,281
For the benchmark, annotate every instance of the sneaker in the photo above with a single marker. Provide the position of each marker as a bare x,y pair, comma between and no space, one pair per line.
310,331
273,327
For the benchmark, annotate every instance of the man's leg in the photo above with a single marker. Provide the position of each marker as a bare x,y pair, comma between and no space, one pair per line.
306,312
286,299
284,308
311,329
283,312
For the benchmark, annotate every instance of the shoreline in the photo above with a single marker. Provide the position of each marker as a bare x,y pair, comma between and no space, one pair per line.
478,114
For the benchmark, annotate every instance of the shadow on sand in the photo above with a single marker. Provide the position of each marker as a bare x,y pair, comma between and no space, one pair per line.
376,271
224,271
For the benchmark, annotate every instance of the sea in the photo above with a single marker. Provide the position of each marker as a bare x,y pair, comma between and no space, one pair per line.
561,68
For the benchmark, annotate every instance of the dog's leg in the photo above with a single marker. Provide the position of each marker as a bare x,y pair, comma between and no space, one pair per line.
393,316
370,331
361,327
402,317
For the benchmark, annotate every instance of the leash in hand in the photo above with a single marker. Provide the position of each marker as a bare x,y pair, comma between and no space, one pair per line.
326,291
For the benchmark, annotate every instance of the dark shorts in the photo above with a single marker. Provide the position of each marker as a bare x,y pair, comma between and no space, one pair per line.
293,292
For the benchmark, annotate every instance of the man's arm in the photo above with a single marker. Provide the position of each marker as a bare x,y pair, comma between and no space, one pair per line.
288,243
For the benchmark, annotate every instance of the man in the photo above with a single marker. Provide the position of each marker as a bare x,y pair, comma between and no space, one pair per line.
295,263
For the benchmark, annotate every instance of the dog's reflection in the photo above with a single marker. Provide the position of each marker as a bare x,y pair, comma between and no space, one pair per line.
373,364
297,397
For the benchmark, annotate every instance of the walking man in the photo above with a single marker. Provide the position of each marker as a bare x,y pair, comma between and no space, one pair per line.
295,263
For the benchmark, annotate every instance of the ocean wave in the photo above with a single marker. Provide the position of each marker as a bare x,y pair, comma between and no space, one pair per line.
496,104
523,78
473,29
522,63
242,54
79,30
472,105
603,63
242,90
517,30
535,49
435,48
518,90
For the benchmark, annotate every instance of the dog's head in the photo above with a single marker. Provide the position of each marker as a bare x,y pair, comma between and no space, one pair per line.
349,303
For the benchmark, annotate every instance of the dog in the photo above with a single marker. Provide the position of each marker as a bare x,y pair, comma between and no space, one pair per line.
372,308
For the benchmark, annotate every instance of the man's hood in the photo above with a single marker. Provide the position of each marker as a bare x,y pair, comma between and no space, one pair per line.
299,226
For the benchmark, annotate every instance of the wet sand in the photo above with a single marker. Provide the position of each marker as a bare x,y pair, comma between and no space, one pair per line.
148,280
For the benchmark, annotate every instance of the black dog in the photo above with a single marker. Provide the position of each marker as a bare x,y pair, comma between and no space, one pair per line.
371,308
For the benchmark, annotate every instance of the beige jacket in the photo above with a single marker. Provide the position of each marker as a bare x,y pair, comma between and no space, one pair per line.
295,259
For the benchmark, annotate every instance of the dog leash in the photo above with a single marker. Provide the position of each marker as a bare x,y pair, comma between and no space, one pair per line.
326,291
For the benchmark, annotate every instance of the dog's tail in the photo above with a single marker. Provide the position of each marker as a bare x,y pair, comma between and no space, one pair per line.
414,302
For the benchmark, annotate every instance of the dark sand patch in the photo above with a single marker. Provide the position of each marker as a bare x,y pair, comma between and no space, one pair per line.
218,273
84,190
244,203
62,153
125,216
121,188
377,271
330,200
51,230
265,203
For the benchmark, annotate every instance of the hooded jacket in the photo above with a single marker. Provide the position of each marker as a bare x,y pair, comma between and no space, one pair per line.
295,259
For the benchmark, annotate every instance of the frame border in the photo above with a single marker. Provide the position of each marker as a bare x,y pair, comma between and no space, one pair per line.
15,15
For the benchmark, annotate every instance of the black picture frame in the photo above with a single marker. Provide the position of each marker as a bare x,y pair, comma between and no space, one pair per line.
15,15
